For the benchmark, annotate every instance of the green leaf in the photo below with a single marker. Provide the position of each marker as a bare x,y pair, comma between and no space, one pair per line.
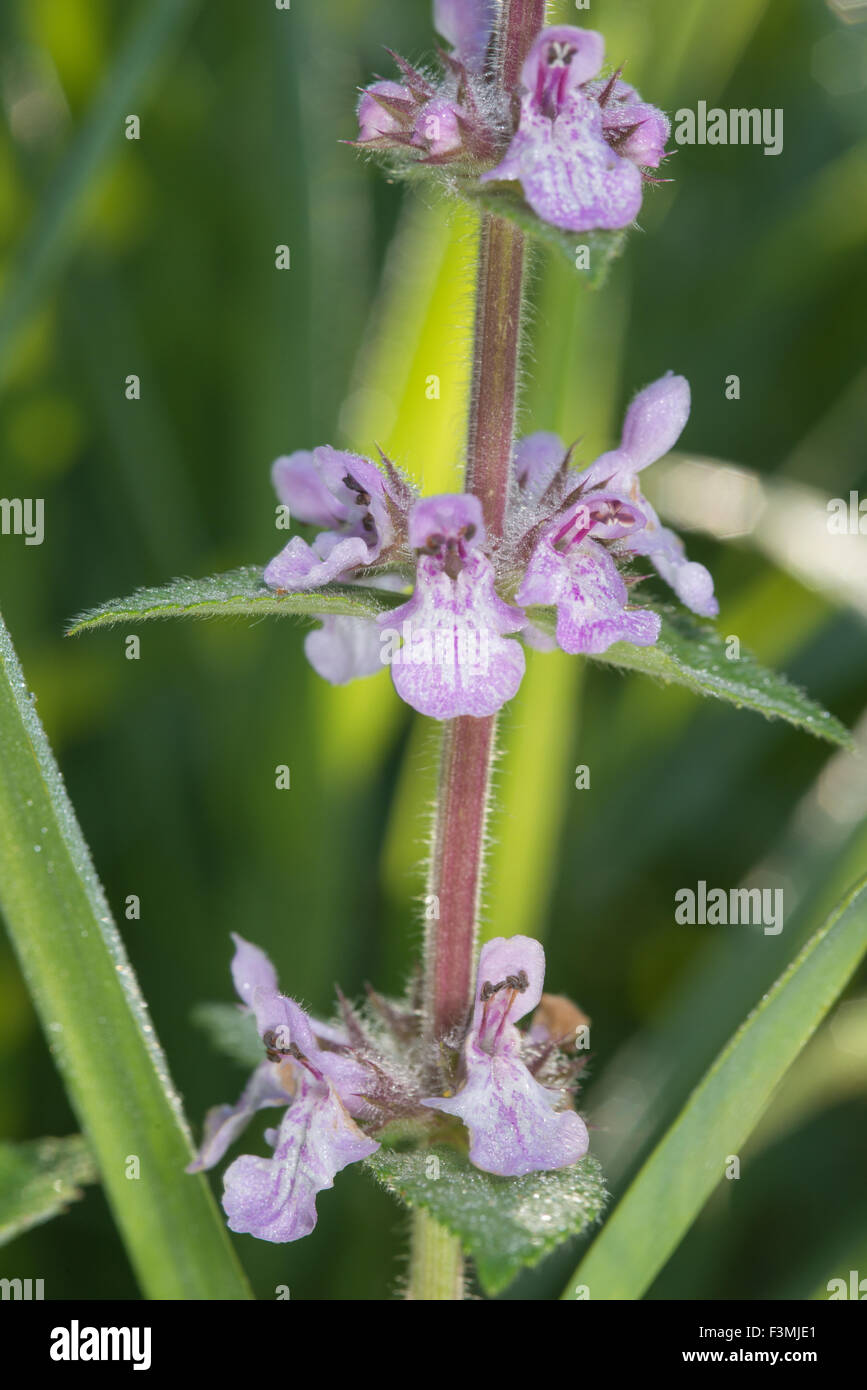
39,1179
230,1032
96,1020
692,653
688,1163
505,1224
688,652
53,234
238,594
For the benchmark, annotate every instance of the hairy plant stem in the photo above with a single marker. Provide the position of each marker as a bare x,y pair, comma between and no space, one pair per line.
457,857
495,367
520,23
436,1266
468,744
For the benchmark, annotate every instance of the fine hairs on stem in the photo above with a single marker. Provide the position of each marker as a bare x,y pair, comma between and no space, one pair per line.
468,744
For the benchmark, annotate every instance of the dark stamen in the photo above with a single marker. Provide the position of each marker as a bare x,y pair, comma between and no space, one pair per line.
363,497
520,982
489,990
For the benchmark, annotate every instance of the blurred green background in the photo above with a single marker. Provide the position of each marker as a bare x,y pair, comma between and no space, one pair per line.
157,257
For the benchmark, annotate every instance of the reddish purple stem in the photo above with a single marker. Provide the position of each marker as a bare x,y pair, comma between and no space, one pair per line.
468,744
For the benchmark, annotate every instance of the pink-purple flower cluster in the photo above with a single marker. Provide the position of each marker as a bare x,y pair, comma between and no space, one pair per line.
570,539
343,1084
580,146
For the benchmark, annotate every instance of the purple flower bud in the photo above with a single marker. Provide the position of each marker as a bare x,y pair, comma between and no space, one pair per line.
385,109
637,131
438,128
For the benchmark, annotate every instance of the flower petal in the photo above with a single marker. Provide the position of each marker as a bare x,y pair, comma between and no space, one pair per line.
299,566
224,1123
570,175
275,1198
455,659
692,583
287,1025
639,129
336,466
653,424
466,25
513,1121
562,52
300,486
537,459
344,649
590,595
534,637
251,970
500,958
447,515
654,421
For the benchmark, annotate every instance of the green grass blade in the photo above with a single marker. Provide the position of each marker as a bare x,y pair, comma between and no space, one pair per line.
681,1173
48,242
237,594
96,1021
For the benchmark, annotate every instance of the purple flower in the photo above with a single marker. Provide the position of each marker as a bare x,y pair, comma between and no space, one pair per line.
579,528
574,573
456,657
310,1069
579,145
363,512
570,538
275,1198
516,1125
342,1085
652,427
348,496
